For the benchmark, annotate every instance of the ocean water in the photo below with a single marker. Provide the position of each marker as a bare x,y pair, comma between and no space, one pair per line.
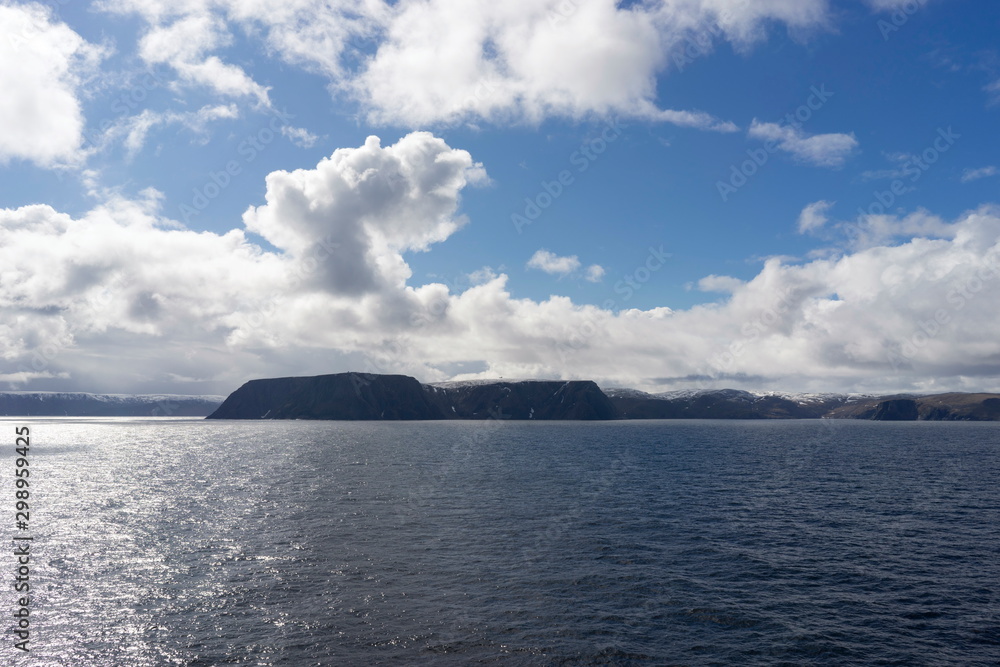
190,542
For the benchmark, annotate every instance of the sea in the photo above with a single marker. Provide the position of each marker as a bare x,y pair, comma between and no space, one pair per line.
166,541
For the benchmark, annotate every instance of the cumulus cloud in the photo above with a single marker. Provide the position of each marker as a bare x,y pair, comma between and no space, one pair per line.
531,60
42,66
595,272
821,150
813,216
122,299
525,60
369,205
184,44
552,263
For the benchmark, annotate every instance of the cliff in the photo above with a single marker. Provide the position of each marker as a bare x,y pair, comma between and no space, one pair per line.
340,396
524,399
937,407
367,396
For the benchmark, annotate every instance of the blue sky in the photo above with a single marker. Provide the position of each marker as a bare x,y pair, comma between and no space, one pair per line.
626,192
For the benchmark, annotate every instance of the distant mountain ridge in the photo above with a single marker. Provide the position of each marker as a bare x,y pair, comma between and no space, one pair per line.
361,396
370,396
723,404
81,404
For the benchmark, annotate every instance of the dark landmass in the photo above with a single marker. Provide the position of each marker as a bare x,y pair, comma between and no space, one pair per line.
722,404
527,399
363,396
938,407
383,397
340,396
368,396
60,404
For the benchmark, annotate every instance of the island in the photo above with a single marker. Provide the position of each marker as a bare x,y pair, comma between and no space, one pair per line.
369,396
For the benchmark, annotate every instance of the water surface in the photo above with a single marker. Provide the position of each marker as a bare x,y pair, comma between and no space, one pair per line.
191,542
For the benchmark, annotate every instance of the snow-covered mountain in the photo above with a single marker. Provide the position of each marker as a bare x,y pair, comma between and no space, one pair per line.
723,404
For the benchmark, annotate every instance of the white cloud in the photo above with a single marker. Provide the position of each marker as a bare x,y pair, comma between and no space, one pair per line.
184,44
136,128
871,230
369,204
724,284
975,174
533,59
695,119
821,150
299,136
813,216
893,5
497,61
595,272
42,65
122,299
994,90
551,263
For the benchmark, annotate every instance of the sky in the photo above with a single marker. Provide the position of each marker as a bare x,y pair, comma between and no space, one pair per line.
770,195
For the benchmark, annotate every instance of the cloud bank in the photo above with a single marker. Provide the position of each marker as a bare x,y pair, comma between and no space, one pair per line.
122,298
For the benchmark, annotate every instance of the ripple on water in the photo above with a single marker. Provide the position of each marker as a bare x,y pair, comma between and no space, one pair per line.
184,542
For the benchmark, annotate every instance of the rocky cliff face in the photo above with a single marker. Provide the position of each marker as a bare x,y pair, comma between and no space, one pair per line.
339,396
937,407
896,410
526,399
367,396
